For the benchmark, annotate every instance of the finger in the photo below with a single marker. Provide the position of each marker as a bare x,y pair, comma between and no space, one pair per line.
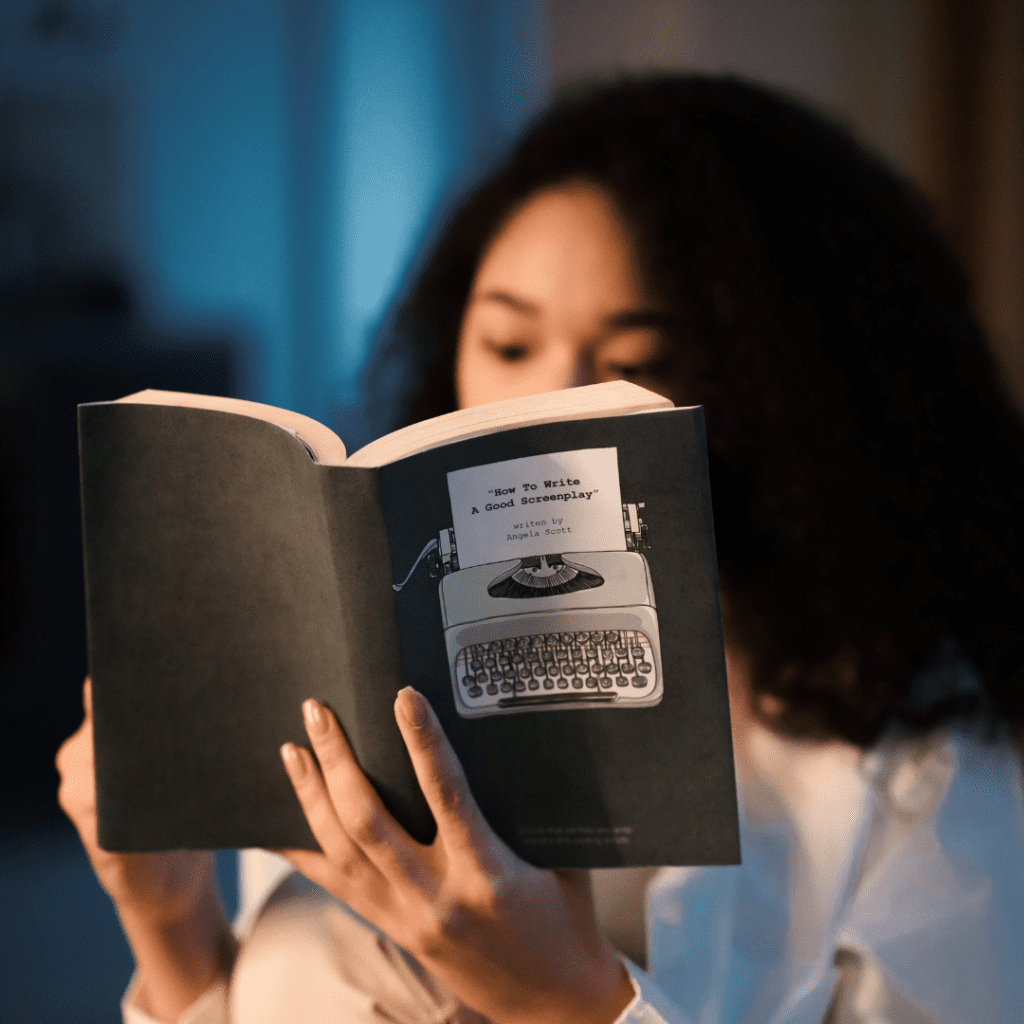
355,802
76,793
319,809
439,772
87,697
344,867
74,758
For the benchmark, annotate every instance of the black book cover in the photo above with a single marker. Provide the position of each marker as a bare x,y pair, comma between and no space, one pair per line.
229,577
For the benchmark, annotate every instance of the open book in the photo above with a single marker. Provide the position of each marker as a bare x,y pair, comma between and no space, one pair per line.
541,569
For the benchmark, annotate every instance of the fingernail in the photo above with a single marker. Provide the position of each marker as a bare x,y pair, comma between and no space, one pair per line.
290,756
316,719
414,707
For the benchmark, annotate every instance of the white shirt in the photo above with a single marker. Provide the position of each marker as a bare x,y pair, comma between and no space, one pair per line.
886,887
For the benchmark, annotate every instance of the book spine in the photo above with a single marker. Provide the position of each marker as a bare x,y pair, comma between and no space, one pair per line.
373,671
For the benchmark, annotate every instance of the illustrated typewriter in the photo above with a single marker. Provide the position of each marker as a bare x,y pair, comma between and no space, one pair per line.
550,632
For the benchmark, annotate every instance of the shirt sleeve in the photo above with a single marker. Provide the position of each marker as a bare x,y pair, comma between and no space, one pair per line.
649,1004
210,1008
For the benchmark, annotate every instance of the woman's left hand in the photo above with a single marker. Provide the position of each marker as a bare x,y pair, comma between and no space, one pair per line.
513,942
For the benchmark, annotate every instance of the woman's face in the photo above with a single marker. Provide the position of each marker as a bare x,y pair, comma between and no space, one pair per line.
557,302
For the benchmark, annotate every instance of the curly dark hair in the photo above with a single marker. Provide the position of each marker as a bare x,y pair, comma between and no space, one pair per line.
867,468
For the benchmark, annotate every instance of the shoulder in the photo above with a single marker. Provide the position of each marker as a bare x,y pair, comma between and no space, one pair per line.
905,863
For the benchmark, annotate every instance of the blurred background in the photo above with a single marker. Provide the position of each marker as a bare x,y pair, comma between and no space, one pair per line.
225,195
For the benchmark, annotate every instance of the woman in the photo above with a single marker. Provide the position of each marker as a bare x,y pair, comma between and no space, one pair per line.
722,246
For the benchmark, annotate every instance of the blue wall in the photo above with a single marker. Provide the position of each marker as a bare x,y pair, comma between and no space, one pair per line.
276,163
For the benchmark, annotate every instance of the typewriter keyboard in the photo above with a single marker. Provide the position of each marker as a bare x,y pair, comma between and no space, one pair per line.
603,667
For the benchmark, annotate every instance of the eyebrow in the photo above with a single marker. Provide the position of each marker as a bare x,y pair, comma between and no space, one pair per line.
507,299
628,320
640,319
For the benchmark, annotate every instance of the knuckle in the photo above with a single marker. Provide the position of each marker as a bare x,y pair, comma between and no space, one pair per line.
453,792
429,740
364,823
330,755
75,795
67,753
453,918
490,894
317,814
349,869
308,784
444,923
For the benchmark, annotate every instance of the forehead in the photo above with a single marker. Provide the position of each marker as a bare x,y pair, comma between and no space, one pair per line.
565,245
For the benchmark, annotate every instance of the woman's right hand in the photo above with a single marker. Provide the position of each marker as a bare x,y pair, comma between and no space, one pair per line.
167,902
515,943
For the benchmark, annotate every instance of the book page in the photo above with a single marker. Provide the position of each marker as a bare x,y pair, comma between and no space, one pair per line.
539,505
323,445
612,398
326,448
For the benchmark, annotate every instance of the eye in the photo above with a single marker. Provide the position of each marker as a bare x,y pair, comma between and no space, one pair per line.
629,372
508,351
641,370
636,355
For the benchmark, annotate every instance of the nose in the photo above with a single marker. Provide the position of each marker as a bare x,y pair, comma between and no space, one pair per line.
579,371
